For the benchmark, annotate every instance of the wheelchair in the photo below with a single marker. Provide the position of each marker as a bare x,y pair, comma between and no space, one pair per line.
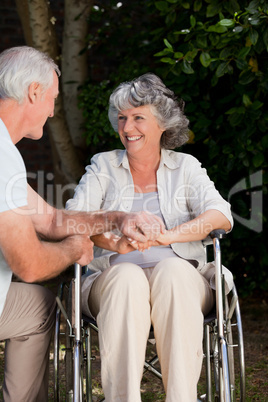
224,363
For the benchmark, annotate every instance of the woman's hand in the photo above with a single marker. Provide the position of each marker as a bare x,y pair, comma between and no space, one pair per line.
125,245
165,239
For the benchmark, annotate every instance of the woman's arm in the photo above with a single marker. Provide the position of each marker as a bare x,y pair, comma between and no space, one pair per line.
196,229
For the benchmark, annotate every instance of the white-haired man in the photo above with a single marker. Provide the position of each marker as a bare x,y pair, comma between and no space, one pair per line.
35,245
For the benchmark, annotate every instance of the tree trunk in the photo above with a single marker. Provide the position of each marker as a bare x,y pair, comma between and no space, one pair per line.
74,63
36,19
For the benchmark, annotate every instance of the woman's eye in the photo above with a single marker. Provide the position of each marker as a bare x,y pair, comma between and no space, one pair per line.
138,117
121,117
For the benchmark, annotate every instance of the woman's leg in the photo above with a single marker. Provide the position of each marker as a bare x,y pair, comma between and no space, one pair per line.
179,297
120,300
26,324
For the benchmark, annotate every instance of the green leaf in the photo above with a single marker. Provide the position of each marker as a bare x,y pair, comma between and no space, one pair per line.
264,141
253,35
231,111
258,160
222,69
212,10
170,18
217,28
168,60
241,64
186,5
214,80
187,68
161,5
254,21
246,77
226,23
235,119
178,55
257,105
191,55
197,5
237,110
214,39
246,100
253,6
238,29
205,59
163,52
226,52
201,41
265,38
192,21
168,45
243,53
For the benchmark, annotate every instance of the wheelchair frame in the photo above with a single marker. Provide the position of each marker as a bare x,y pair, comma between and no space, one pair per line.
218,343
218,338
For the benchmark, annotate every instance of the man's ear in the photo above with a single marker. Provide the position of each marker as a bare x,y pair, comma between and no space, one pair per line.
34,92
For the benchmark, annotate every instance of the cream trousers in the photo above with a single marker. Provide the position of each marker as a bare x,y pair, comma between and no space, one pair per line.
126,300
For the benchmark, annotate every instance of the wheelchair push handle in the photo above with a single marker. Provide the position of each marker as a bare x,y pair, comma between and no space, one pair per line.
218,234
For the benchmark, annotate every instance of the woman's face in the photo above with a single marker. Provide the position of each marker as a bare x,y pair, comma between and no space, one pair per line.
139,130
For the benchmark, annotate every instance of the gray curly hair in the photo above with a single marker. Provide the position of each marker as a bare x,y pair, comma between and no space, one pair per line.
22,65
148,89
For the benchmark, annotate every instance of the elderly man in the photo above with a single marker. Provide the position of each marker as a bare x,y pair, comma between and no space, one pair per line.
37,241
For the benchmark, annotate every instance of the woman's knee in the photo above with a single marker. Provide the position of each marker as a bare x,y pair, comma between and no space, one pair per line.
173,270
180,278
128,274
125,289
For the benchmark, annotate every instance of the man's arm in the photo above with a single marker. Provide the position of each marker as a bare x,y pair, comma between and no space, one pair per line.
58,224
32,259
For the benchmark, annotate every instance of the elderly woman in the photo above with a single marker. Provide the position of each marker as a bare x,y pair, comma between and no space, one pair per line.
165,283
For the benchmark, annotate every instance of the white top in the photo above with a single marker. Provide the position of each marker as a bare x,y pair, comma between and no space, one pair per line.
13,194
184,188
148,202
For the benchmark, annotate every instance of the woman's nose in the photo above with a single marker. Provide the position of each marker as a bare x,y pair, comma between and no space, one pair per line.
128,126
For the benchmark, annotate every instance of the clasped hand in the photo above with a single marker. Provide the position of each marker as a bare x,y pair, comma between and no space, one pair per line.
126,244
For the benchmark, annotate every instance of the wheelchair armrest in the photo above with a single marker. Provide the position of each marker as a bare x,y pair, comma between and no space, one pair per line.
217,234
214,234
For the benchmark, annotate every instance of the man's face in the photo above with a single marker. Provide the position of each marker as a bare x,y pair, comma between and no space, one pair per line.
41,108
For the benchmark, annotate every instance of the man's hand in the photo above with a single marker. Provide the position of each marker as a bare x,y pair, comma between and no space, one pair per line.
85,245
142,226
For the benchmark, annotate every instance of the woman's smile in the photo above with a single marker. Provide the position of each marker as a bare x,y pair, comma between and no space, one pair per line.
133,138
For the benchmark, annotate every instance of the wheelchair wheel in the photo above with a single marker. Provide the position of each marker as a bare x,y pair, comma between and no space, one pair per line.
63,348
64,342
225,357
